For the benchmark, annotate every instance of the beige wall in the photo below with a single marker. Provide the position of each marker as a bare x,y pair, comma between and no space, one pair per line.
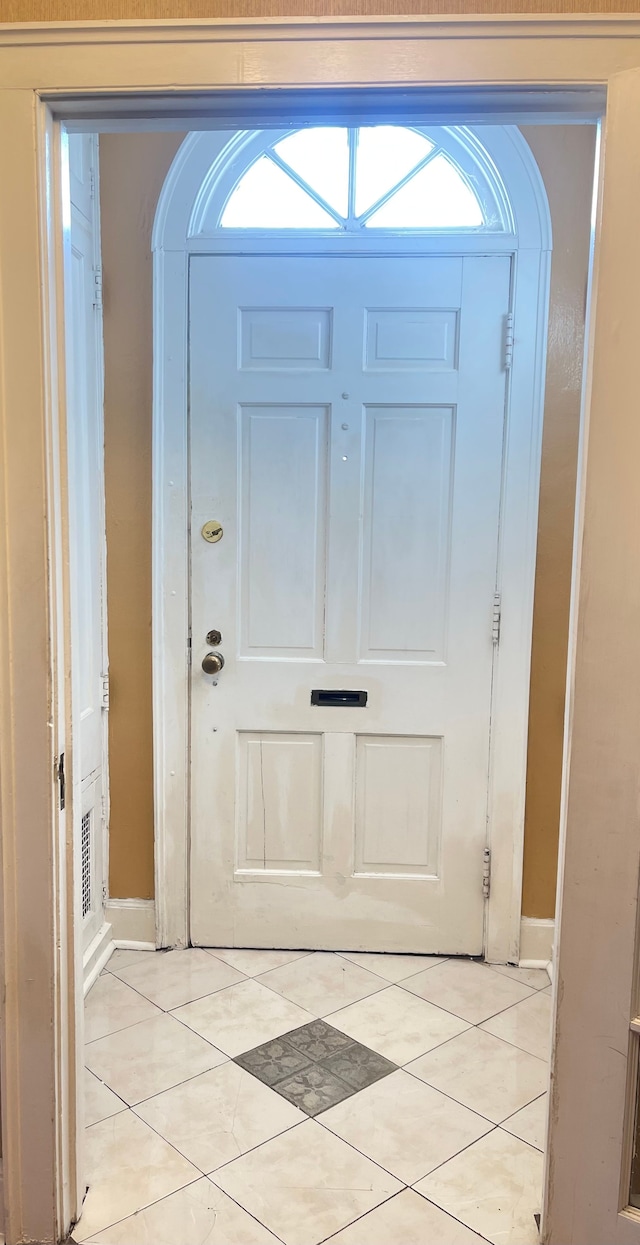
133,167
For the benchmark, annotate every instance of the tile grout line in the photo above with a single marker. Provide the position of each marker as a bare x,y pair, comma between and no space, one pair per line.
464,1104
385,984
108,1226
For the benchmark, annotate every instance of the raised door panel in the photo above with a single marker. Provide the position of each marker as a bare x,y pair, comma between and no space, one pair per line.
282,478
279,823
398,806
416,339
408,467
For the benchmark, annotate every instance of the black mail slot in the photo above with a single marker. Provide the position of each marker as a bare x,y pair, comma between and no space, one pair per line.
327,696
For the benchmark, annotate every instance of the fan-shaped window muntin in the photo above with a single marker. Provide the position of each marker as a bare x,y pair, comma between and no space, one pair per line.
334,179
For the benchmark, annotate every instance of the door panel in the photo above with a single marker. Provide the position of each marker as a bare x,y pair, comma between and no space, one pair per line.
347,422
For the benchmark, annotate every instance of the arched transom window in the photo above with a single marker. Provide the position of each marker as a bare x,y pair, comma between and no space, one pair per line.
377,177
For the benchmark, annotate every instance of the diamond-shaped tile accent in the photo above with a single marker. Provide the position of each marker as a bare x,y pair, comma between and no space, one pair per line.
315,1067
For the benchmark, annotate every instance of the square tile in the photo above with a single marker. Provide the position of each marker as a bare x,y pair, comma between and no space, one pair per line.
99,1101
251,962
172,978
322,982
242,1016
468,989
359,1066
527,1025
217,1116
392,967
124,957
397,1024
405,1127
128,1166
273,1061
200,1213
530,1123
483,1073
494,1187
318,1040
537,978
111,1005
314,1089
406,1219
306,1184
150,1057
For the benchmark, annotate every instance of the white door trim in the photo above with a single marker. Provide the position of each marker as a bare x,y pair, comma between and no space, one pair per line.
180,231
114,74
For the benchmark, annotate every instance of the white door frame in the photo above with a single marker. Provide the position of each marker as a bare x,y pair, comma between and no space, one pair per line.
114,75
187,202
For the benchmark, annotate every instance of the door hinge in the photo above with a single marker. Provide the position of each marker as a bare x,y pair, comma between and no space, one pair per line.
496,618
104,684
61,780
92,183
486,873
97,289
508,341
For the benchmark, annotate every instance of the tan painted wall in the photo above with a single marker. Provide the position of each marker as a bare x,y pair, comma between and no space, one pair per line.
565,156
133,167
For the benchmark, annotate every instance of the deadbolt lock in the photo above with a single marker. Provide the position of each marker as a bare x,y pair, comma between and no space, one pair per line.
214,637
212,531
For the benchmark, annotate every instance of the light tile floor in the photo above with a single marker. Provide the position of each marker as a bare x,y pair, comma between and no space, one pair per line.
288,1098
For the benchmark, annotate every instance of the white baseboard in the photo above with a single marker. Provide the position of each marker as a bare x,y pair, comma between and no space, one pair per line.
97,955
536,942
133,923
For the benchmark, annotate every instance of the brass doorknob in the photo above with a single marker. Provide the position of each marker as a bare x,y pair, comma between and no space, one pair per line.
212,663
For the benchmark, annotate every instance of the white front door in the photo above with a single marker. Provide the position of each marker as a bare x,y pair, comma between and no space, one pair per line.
347,422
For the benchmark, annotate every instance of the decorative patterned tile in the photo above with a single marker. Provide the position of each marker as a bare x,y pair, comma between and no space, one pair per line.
314,1089
272,1061
359,1066
318,1040
315,1066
